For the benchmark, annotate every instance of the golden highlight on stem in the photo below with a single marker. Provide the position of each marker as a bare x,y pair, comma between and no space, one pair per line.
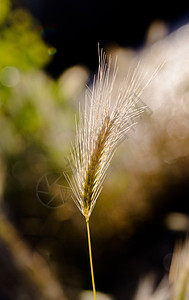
90,257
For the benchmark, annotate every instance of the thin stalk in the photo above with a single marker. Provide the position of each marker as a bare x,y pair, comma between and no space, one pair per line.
90,257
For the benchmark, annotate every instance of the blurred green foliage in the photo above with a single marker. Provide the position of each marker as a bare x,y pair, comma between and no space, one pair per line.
4,10
21,43
30,100
35,119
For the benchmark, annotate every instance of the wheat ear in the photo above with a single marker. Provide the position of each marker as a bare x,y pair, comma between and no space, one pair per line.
110,111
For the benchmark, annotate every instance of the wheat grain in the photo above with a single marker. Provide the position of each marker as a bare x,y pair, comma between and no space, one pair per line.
110,111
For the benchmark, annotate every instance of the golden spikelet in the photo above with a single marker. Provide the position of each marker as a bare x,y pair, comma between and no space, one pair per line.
110,111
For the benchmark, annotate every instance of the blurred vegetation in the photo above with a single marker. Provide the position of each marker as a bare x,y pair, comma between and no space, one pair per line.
143,208
34,122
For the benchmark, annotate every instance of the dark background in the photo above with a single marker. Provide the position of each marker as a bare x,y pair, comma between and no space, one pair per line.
76,27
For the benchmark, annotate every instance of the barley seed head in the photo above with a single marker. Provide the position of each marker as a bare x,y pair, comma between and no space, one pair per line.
111,109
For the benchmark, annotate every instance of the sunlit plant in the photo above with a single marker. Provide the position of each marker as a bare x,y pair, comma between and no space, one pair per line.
110,111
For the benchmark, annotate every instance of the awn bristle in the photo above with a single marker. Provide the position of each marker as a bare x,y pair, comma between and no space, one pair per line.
110,111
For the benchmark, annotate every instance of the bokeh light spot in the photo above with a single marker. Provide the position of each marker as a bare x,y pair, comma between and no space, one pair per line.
9,76
52,51
177,221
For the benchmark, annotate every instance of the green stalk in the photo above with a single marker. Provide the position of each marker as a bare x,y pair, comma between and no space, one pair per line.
90,257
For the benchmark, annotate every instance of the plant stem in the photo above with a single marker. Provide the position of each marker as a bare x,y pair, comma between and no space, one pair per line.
90,257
